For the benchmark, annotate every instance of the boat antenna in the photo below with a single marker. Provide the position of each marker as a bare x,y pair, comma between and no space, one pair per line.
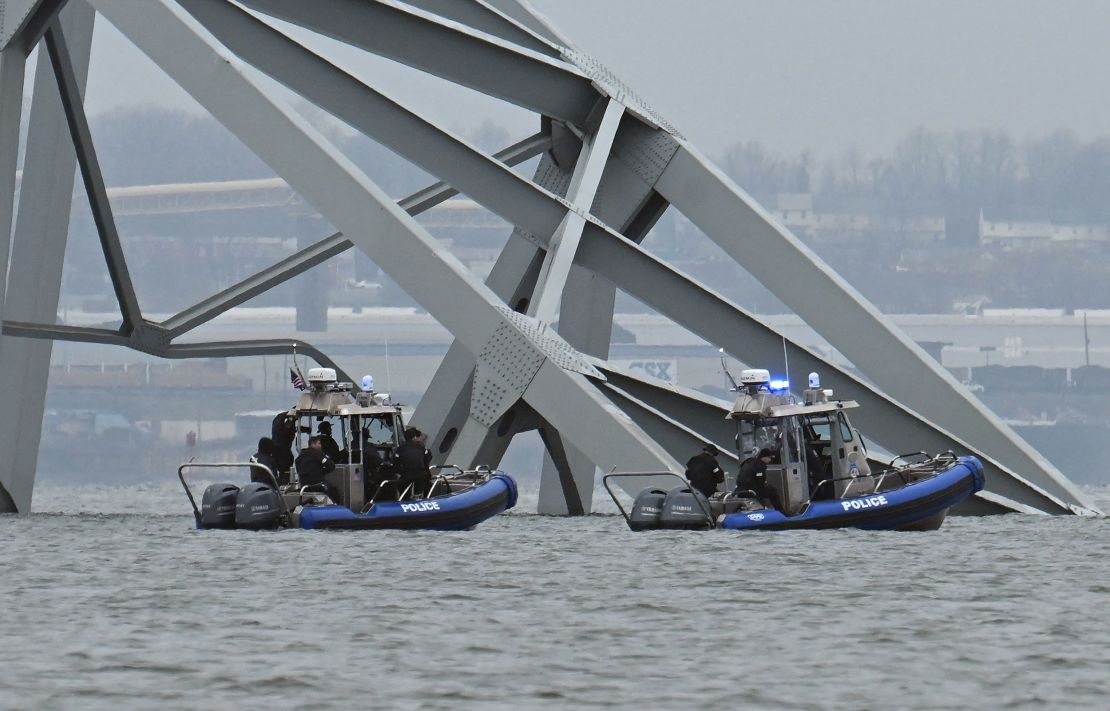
785,358
388,380
724,367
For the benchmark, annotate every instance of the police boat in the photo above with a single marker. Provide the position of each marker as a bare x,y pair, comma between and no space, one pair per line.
364,490
820,474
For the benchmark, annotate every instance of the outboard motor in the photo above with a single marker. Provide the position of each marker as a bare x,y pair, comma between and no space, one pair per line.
258,506
217,506
685,508
646,509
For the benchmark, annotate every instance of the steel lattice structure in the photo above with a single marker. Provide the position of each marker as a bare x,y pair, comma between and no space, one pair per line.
609,167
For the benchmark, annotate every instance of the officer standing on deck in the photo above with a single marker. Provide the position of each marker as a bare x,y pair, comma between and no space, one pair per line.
313,465
753,475
703,472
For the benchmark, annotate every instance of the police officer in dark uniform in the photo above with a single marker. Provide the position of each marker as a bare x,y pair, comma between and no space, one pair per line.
412,459
313,465
264,456
703,472
327,442
753,475
283,432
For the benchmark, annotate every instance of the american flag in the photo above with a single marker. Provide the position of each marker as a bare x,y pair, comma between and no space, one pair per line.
296,379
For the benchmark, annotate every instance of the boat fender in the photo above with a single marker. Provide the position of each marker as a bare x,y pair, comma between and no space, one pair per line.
217,506
258,506
685,508
647,509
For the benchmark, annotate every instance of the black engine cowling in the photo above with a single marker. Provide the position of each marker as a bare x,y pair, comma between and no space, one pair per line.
217,506
685,508
258,506
646,509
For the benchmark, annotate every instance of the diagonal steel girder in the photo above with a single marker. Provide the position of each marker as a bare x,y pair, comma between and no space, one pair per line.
557,389
478,61
481,16
81,136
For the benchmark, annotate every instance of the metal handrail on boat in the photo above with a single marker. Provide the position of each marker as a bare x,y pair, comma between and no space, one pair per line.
223,465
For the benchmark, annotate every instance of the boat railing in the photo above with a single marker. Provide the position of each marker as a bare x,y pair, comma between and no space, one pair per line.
474,476
928,466
222,465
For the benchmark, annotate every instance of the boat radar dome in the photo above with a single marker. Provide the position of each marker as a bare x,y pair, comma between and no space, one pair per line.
814,380
754,376
368,383
321,376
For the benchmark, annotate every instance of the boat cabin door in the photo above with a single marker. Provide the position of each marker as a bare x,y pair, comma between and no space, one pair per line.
849,455
788,475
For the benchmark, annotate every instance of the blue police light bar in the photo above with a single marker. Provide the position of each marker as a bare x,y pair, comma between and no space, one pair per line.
776,385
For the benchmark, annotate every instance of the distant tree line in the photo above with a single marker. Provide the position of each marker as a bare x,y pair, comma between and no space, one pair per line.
1054,177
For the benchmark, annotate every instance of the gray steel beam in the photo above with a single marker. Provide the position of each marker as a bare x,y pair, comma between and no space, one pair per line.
211,349
583,189
484,18
548,86
794,274
72,104
13,65
359,208
673,434
35,274
470,171
570,486
529,18
445,404
330,246
696,411
18,26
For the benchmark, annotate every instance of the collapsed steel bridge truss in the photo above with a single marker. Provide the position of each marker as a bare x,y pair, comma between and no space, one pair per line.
609,167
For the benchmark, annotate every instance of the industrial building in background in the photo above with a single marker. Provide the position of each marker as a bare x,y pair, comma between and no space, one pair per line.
532,340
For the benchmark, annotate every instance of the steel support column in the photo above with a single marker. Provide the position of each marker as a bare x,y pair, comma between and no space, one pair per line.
38,252
13,61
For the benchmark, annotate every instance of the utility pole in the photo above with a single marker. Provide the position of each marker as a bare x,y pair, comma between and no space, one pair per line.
1086,342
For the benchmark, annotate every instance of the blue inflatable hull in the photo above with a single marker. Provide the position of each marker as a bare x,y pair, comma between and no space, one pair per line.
895,509
456,512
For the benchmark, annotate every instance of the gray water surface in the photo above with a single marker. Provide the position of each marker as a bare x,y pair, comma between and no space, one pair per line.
116,602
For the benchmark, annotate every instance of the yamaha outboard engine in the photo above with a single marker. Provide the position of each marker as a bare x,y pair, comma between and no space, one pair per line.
646,509
217,506
258,506
685,508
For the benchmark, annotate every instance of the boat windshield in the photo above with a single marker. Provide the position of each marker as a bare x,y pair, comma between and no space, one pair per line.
379,430
818,428
757,434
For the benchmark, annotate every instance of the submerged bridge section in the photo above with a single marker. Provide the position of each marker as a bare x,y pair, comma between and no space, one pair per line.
609,167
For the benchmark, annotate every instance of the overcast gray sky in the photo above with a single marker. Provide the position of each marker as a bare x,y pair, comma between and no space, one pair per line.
797,74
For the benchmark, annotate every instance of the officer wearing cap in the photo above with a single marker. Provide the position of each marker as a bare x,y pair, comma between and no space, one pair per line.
327,442
703,472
